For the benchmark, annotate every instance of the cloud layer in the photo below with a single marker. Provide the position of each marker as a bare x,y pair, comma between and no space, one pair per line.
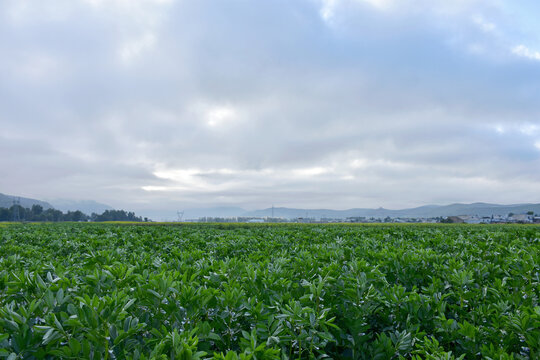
332,103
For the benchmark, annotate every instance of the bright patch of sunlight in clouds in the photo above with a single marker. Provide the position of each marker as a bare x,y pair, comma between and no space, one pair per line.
220,115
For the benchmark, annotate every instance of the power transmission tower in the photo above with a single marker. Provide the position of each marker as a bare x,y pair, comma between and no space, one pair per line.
180,215
15,207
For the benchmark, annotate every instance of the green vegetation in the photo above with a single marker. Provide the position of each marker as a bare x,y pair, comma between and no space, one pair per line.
37,214
113,291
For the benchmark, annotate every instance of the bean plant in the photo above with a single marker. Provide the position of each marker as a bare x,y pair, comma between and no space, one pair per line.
256,291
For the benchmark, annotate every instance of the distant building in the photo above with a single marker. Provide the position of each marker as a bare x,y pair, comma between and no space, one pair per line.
455,219
255,221
498,219
356,219
521,218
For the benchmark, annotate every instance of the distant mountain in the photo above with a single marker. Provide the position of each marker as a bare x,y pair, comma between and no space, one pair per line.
289,213
222,211
6,201
86,206
427,211
480,209
292,213
483,209
191,213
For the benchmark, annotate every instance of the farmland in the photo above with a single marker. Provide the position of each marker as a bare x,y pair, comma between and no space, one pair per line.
193,291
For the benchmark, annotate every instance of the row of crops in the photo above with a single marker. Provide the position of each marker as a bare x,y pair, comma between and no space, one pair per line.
111,291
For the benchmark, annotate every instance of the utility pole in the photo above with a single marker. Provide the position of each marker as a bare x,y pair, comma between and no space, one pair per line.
15,207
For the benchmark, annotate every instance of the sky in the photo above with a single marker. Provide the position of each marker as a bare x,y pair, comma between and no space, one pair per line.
172,104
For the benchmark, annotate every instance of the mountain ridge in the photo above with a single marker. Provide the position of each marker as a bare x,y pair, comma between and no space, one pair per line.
6,201
86,206
425,211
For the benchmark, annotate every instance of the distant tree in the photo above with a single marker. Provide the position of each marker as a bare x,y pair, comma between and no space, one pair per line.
37,209
116,215
53,215
5,214
14,209
75,216
530,212
36,213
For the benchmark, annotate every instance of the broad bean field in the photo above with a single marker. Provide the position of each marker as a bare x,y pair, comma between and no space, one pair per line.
217,291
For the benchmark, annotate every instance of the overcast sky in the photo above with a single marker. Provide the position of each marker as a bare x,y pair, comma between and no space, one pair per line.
149,104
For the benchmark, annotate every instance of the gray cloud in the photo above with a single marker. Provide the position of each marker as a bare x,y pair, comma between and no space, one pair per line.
149,104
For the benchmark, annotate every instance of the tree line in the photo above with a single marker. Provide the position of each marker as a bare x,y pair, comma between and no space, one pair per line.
37,213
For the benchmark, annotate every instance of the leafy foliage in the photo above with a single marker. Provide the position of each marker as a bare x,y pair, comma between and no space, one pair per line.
37,214
112,291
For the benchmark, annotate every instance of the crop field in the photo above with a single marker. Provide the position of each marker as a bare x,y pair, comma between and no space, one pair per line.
216,291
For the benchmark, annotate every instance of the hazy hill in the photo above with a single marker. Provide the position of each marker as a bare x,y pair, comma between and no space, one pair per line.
86,206
191,213
427,211
6,201
480,209
223,211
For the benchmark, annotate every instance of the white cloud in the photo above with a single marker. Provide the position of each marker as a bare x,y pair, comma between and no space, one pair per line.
197,179
220,115
529,129
130,50
526,128
159,188
483,24
313,171
380,4
500,129
179,175
523,51
127,4
327,9
359,163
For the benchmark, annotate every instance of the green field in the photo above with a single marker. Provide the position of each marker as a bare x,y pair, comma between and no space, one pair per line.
120,291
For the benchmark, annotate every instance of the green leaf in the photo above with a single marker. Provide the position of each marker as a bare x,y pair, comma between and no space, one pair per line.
60,296
50,336
128,304
75,346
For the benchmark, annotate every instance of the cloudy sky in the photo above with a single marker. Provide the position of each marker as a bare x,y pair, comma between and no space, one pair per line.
149,104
